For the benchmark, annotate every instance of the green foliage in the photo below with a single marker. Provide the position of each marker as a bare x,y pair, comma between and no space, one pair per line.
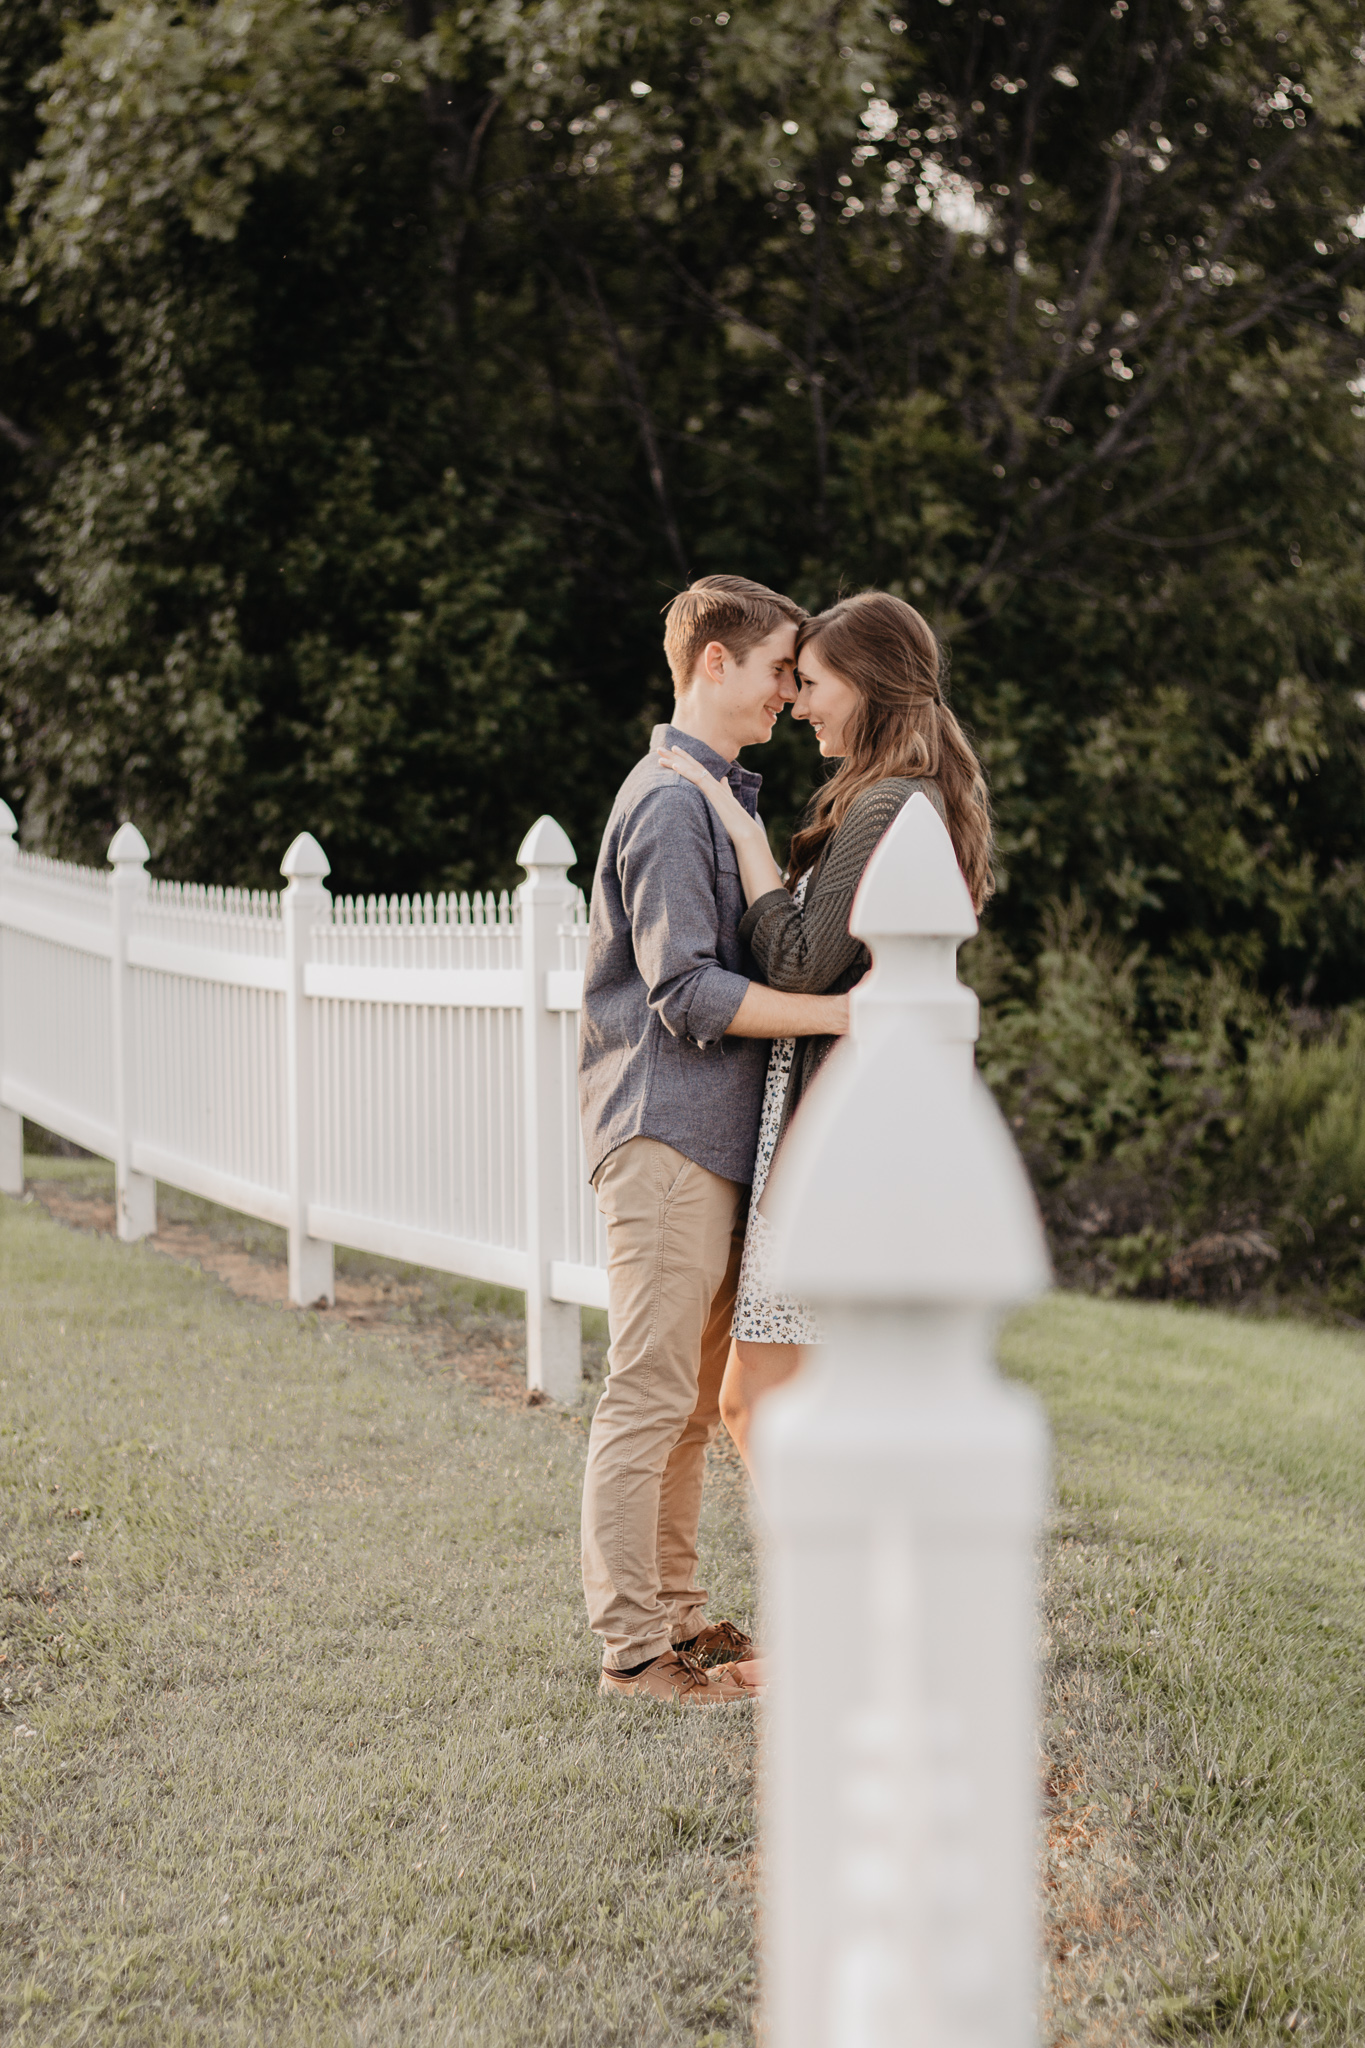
486,327
370,383
1185,1137
1299,1158
154,120
1066,1056
136,650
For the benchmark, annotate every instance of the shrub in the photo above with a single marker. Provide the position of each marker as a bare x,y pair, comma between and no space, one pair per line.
1297,1163
1185,1136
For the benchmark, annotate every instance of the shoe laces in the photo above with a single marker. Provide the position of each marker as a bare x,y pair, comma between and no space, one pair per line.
695,1670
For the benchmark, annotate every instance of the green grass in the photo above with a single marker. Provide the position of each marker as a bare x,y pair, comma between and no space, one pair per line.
307,1749
1207,1618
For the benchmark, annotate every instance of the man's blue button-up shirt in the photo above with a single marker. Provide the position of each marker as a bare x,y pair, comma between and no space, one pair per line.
666,972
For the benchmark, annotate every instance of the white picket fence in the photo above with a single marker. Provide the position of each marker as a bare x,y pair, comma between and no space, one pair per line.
395,1075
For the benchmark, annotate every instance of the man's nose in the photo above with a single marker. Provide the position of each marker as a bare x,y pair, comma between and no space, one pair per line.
788,688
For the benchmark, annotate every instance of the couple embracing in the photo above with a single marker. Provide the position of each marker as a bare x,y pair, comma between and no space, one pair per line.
715,986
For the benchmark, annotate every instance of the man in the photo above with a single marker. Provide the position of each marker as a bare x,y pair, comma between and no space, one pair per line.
672,1060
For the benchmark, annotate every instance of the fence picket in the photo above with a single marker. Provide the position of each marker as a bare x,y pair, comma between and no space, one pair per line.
134,1192
11,1120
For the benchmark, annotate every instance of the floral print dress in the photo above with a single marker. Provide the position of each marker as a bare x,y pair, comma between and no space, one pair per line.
762,1316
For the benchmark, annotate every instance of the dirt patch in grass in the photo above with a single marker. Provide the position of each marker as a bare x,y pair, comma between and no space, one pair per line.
1097,1923
481,1341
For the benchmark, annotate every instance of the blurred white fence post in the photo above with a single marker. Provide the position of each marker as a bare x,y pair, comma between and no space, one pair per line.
11,1120
305,902
904,1481
545,901
134,1193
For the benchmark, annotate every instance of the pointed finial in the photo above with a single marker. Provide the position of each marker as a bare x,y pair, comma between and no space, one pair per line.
913,886
546,845
914,910
128,848
305,860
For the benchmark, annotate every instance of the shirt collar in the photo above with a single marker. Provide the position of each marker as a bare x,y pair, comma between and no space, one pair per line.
743,781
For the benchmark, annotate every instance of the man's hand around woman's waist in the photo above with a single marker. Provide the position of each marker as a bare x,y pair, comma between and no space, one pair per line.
770,1013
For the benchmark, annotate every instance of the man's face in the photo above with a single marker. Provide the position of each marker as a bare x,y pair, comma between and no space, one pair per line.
758,687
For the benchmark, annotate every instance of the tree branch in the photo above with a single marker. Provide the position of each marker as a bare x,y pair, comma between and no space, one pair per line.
644,420
19,437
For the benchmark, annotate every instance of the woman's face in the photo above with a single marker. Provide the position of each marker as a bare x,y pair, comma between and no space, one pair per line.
825,699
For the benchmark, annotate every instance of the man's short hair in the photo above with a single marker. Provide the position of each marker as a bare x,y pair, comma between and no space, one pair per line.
731,609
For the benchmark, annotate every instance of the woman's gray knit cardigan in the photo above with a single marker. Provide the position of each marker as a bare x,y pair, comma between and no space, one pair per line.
806,948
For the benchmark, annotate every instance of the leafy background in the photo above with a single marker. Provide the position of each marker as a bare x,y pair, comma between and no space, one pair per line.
370,377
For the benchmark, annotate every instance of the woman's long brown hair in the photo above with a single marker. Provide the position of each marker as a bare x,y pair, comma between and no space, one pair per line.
886,651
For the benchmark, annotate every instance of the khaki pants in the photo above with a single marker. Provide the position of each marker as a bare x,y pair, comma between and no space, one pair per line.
674,1238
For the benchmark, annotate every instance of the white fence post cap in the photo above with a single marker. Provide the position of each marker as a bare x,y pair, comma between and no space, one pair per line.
913,886
305,860
128,848
895,1188
9,824
546,845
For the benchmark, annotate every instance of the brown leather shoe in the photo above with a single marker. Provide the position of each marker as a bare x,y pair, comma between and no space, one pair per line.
677,1677
720,1642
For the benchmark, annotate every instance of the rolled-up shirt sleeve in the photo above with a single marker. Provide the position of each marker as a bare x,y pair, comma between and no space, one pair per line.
666,861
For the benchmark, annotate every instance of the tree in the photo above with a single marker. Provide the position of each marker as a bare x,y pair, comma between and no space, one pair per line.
419,362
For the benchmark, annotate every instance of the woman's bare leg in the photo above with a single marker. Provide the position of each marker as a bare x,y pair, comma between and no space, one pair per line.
752,1371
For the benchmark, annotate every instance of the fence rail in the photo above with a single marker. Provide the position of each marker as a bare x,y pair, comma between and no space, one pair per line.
393,1074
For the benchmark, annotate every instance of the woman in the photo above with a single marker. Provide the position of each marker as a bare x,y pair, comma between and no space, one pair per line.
869,683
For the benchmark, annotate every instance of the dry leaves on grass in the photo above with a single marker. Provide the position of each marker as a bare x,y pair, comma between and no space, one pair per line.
1093,1918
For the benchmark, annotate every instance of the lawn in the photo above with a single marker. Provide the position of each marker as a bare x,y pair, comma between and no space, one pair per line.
300,1740
1205,1710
